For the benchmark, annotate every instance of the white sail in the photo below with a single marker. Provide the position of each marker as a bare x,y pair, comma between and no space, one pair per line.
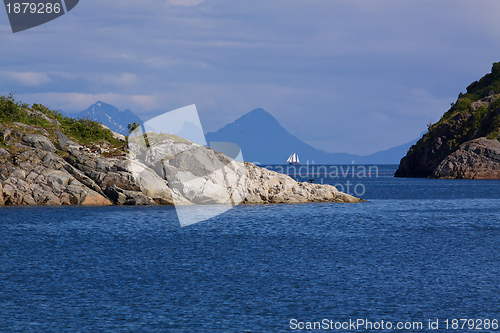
294,158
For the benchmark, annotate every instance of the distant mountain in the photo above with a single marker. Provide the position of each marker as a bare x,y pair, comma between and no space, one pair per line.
262,139
110,116
390,156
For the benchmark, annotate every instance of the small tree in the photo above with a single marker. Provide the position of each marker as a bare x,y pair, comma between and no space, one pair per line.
429,125
131,127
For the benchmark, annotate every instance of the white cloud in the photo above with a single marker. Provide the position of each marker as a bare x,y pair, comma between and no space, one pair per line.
28,78
117,80
73,102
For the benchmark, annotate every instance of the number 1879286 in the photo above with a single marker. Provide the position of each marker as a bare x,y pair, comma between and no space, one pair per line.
33,8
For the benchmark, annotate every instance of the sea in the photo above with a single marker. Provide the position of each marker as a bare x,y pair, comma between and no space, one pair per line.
419,255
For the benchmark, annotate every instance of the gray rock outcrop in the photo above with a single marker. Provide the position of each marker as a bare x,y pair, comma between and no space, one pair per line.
38,172
475,159
64,142
199,175
40,142
38,177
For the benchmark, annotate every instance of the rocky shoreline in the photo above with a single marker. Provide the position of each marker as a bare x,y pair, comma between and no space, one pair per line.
38,170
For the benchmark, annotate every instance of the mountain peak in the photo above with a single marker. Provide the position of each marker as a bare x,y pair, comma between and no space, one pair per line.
260,112
258,118
261,138
110,116
104,104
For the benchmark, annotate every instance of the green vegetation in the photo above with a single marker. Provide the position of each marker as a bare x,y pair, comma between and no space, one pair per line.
84,131
11,111
464,121
489,82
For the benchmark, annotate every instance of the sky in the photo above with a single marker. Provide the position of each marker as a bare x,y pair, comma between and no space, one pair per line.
343,76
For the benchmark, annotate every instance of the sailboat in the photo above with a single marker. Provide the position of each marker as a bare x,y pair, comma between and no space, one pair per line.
293,159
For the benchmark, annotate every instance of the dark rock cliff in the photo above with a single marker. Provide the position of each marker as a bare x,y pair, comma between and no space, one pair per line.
475,115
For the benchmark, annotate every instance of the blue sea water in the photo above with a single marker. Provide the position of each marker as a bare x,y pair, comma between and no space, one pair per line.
416,250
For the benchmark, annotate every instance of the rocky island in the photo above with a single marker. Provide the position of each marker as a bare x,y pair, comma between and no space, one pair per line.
464,144
48,159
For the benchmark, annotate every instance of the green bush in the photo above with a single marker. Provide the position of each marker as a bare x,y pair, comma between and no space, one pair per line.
479,115
85,131
495,70
10,110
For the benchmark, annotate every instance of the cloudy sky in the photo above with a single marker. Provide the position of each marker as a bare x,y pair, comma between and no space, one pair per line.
344,76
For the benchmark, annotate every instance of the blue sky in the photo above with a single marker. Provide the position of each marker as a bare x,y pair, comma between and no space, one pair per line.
344,76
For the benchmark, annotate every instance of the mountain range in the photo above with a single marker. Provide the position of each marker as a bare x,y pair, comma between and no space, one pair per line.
263,140
260,136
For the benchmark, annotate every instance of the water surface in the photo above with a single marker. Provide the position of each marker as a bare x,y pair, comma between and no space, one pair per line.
418,249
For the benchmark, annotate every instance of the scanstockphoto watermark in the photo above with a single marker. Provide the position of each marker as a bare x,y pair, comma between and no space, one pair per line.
361,324
346,178
477,324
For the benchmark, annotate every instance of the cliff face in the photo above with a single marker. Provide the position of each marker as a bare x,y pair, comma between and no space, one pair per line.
475,159
42,166
475,115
